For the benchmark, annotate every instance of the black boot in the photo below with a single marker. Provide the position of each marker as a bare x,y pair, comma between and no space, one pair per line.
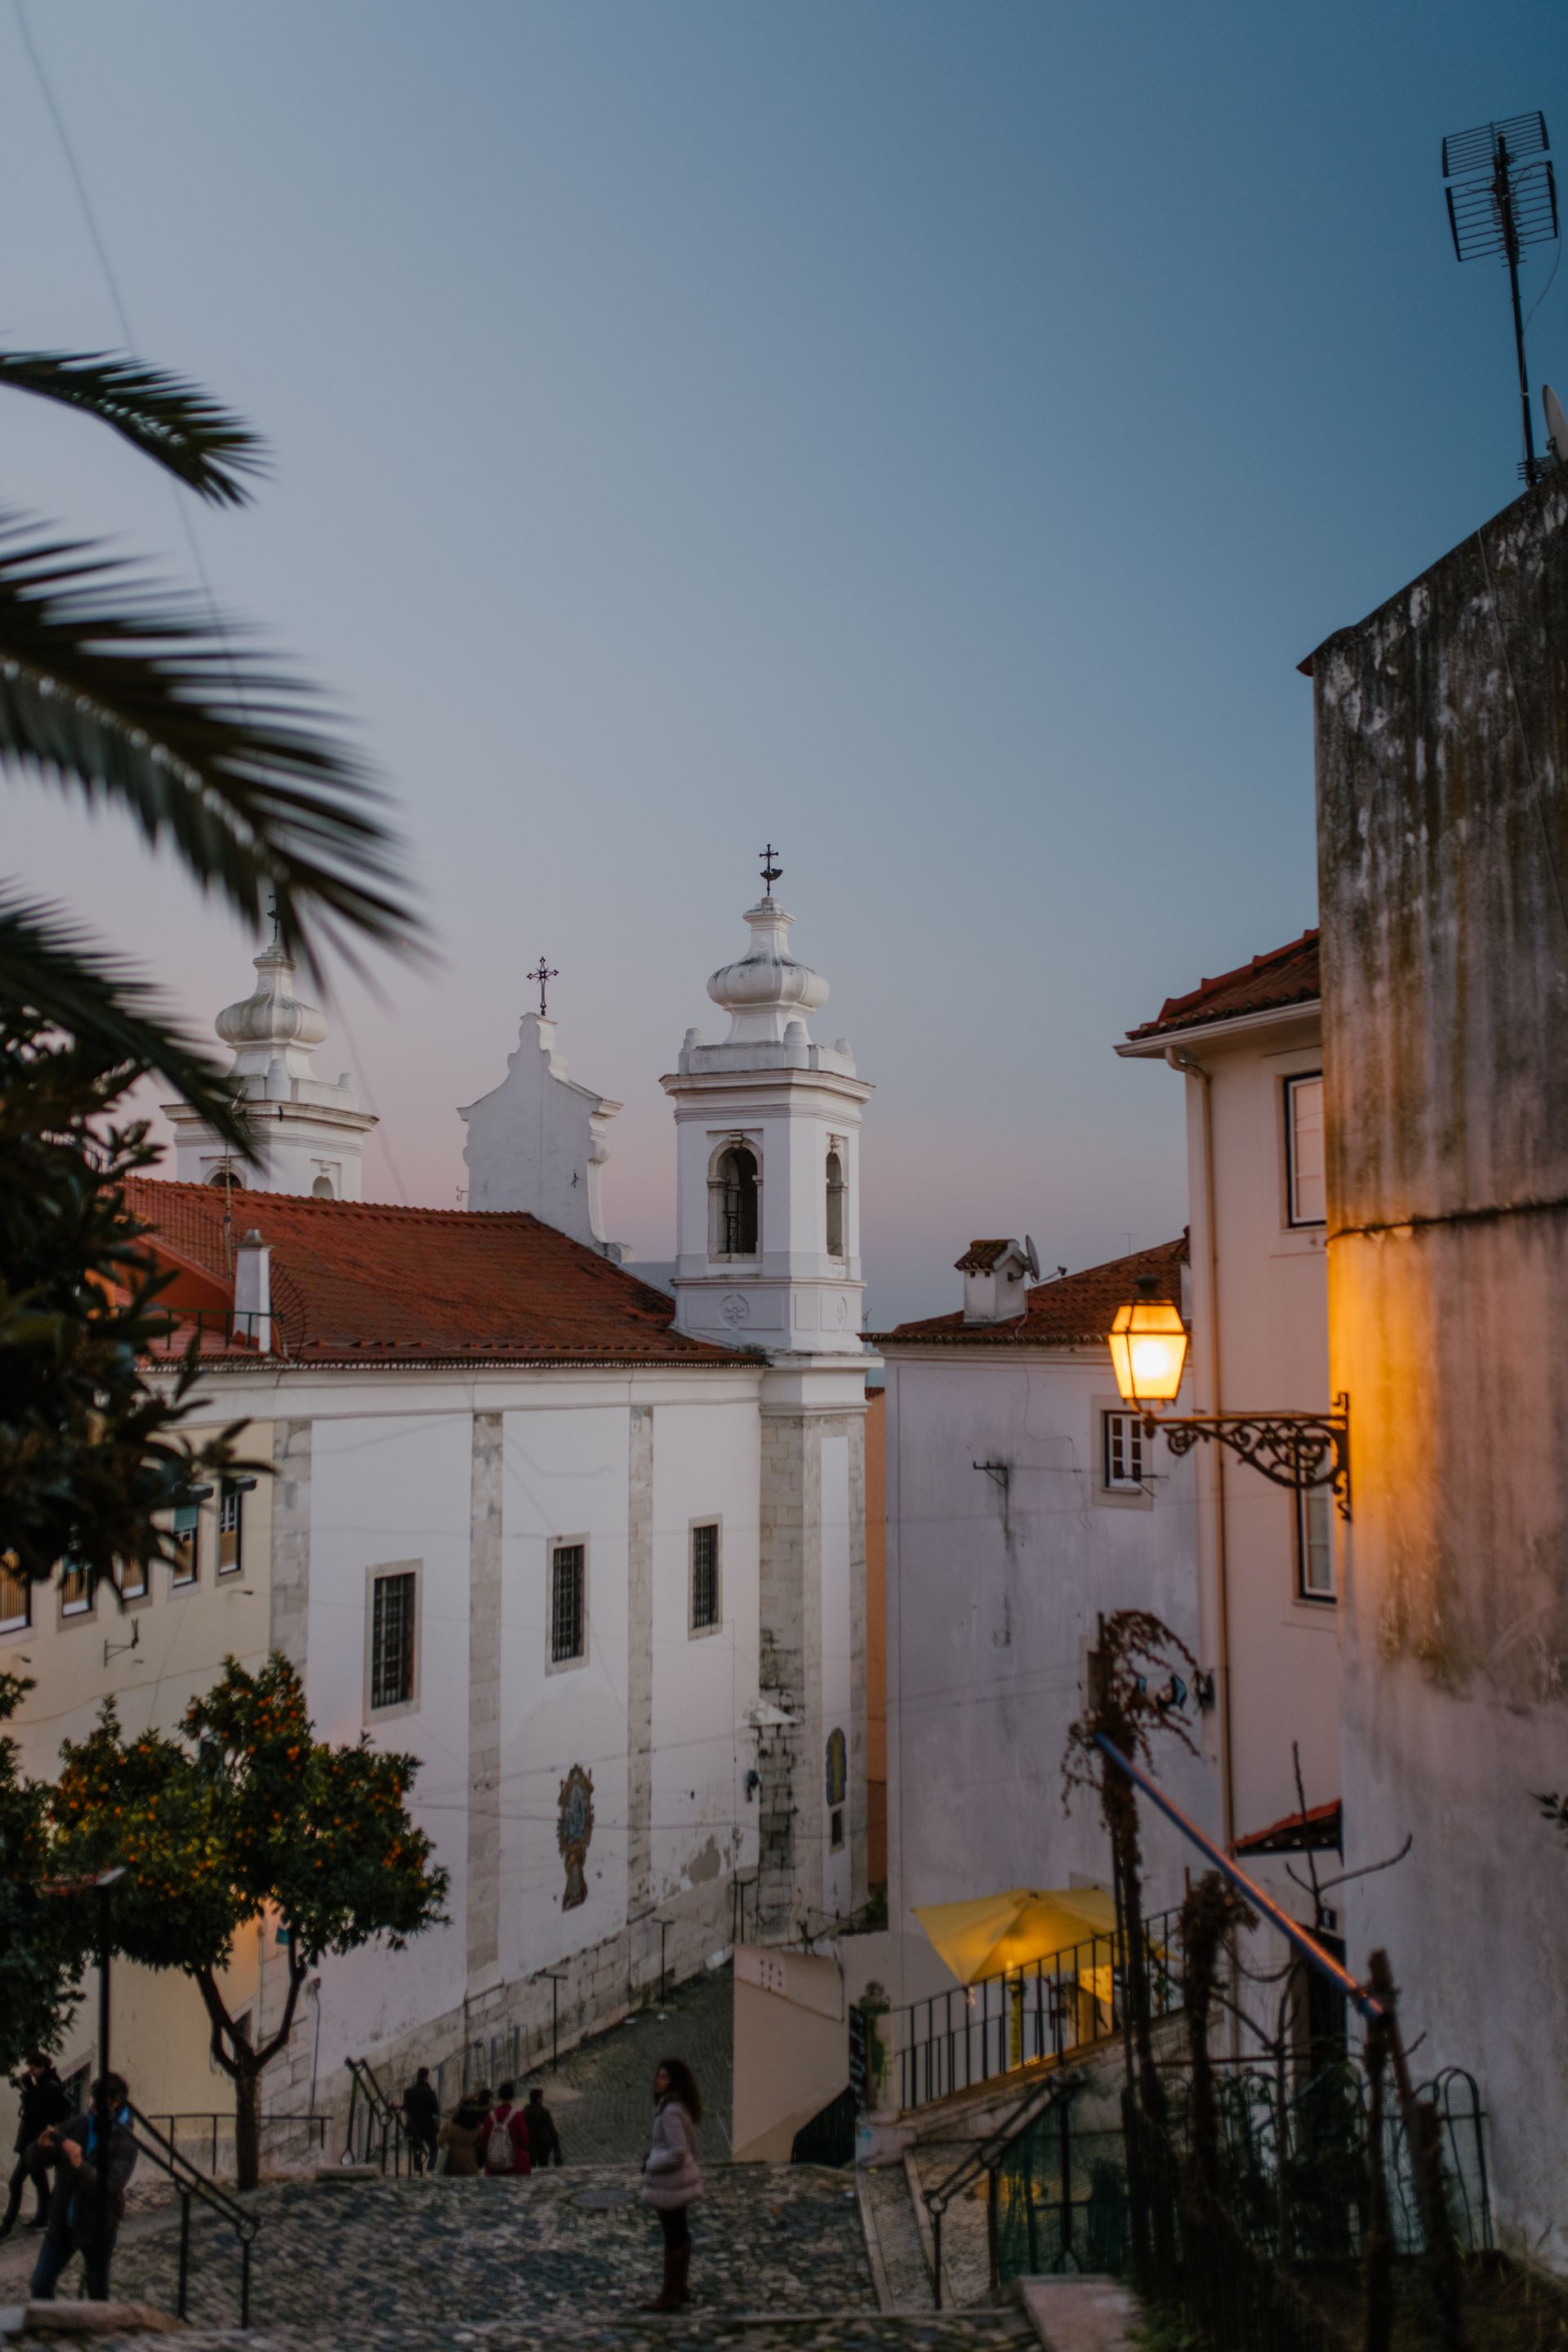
669,2298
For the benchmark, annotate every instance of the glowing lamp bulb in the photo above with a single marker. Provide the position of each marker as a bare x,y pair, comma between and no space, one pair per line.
1148,1348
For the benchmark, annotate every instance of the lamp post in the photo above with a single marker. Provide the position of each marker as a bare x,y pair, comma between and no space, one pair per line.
1148,1343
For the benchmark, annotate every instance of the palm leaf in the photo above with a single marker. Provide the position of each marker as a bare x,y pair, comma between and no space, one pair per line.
135,697
50,967
183,429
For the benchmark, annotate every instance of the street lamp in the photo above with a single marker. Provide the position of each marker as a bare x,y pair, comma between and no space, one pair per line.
1148,1343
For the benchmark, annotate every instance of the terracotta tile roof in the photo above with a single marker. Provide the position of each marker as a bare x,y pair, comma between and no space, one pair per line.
1288,975
981,1257
1320,1830
363,1282
1075,1310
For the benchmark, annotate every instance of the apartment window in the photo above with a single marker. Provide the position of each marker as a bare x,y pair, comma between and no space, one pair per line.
75,1590
568,1602
187,1543
131,1580
835,1190
16,1597
704,1575
1315,1543
1122,1470
231,1525
1305,1189
392,1614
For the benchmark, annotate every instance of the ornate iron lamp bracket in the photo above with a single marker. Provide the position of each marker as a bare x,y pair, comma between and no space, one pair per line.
1294,1449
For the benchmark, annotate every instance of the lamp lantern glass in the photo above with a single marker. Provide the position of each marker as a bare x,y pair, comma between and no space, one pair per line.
1148,1347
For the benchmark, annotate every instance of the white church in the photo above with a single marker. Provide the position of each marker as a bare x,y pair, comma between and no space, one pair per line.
590,1546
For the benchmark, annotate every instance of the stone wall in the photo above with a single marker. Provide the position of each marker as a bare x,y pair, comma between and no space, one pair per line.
1443,842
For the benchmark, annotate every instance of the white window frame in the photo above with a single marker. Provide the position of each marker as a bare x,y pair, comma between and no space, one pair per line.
230,1490
695,1631
579,1658
180,1580
373,1575
1127,1483
1307,1499
1298,1079
134,1596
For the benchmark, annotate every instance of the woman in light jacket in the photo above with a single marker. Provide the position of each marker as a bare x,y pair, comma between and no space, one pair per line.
460,2137
670,2177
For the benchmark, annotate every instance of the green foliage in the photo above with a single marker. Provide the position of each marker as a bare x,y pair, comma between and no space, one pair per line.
39,1952
245,1814
89,1455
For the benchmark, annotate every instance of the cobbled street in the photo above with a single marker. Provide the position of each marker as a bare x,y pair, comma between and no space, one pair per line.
602,2098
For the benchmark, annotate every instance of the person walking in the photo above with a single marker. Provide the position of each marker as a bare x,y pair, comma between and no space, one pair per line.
459,2141
76,2153
670,2177
503,2137
543,2139
422,2110
44,2102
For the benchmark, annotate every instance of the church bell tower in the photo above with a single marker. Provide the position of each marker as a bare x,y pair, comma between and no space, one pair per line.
768,1257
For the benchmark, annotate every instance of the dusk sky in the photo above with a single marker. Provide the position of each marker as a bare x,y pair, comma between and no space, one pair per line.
927,437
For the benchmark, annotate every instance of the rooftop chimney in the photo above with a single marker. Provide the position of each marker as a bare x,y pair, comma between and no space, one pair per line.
995,1282
253,1292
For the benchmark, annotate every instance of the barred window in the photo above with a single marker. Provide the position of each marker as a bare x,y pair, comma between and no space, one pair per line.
230,1525
16,1596
568,1598
1123,1468
705,1576
391,1640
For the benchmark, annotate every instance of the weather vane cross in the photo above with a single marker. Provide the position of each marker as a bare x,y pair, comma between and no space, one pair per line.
771,873
543,974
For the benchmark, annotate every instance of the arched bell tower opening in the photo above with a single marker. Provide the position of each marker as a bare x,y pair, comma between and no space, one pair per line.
836,1191
734,1202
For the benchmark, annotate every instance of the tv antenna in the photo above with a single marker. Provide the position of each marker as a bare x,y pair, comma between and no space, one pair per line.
1500,202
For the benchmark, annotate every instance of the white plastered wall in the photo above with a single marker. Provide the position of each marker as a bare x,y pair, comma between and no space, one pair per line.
837,1670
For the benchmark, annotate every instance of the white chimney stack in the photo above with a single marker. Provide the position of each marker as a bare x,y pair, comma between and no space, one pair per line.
996,1281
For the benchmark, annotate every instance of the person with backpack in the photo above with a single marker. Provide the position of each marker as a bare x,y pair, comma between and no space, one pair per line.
504,2138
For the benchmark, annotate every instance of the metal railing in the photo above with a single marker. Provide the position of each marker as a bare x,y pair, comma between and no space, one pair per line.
988,2158
1047,2010
190,2182
218,2130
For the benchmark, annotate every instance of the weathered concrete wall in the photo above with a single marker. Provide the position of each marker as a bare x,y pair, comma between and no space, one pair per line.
1443,840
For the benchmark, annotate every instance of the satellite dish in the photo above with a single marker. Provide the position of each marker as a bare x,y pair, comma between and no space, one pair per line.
1556,423
1031,1257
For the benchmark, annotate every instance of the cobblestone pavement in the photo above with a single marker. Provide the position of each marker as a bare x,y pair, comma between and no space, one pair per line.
993,2331
602,2098
891,2213
966,2240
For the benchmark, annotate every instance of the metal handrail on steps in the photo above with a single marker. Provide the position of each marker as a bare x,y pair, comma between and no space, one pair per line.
381,2118
988,2158
191,2181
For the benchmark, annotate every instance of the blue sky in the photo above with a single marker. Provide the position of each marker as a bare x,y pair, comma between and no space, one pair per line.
925,436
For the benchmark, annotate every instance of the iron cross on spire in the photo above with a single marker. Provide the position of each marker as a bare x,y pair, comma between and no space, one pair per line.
542,975
771,873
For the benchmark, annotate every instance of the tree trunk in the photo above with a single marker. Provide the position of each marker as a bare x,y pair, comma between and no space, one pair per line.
247,2125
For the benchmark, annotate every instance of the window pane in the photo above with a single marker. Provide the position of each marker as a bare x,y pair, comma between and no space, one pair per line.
75,1597
188,1541
1123,1450
132,1579
16,1597
1315,1543
565,1602
230,1525
392,1640
1309,1197
704,1577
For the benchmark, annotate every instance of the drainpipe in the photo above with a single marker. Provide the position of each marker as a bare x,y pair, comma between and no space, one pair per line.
1184,1061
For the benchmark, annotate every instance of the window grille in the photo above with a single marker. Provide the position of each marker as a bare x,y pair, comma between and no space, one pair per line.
16,1597
567,1597
230,1525
835,1190
705,1577
391,1640
1306,1189
1123,1461
1315,1543
187,1532
76,1593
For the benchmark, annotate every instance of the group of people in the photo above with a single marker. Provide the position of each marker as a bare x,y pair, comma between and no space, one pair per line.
78,2184
497,2138
502,2140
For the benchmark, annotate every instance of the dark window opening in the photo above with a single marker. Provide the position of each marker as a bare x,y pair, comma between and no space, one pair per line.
567,1597
391,1640
836,1827
704,1577
835,1190
737,1203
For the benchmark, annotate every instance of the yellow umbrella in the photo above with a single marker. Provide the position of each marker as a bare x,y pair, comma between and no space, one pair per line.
997,1932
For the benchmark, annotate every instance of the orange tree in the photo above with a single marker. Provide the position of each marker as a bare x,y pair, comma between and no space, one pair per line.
245,1816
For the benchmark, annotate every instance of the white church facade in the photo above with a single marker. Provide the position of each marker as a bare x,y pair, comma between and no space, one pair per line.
594,1554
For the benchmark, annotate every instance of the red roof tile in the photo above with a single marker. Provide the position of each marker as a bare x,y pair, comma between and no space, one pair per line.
1075,1310
981,1257
371,1284
1288,975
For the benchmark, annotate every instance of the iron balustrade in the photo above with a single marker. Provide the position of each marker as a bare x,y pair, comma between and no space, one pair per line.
989,2158
218,2129
1047,2010
190,2182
